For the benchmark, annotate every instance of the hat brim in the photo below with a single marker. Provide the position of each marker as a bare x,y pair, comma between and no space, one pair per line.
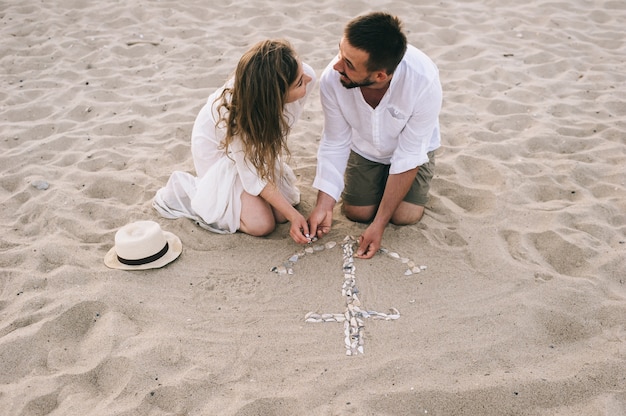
174,250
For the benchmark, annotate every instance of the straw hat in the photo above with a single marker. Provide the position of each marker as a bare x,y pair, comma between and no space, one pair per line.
143,245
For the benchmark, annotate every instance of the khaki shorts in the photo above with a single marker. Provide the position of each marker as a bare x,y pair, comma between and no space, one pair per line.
365,181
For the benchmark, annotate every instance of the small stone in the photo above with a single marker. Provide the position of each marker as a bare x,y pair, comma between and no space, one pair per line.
40,184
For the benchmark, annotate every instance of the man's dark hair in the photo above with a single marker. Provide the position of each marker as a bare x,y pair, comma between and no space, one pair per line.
380,35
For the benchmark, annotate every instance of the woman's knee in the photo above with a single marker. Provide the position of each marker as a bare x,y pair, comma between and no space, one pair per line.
258,227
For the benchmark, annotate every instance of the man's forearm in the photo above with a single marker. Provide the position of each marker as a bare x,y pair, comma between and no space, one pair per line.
397,187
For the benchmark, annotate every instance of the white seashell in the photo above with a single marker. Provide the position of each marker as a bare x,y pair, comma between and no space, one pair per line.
416,269
423,267
360,349
394,255
313,320
404,260
326,316
339,317
348,342
408,272
410,264
294,258
348,352
311,315
330,244
318,247
309,250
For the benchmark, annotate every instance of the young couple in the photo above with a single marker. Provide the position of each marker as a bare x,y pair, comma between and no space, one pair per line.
381,100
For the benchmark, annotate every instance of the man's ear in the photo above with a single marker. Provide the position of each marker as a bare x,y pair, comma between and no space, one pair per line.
381,76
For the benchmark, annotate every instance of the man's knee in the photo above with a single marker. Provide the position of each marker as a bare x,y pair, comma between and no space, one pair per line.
359,213
407,214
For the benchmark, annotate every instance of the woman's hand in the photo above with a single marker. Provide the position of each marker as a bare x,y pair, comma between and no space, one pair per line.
299,229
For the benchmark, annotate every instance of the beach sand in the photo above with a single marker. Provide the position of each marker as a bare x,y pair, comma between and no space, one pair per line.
521,311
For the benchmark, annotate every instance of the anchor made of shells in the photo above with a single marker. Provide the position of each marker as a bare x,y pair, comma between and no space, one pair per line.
353,316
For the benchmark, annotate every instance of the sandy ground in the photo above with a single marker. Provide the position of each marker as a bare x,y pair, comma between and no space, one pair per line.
521,311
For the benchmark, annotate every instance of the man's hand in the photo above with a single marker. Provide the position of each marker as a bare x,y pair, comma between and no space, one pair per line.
370,241
321,217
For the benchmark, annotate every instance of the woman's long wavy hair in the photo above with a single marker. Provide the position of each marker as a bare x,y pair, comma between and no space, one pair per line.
254,112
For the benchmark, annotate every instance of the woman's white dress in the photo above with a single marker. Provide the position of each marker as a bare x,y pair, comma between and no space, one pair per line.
213,198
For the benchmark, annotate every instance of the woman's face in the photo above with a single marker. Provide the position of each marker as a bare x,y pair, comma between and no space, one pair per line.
297,90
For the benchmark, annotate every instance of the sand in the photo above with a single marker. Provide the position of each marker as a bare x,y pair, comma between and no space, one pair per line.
521,311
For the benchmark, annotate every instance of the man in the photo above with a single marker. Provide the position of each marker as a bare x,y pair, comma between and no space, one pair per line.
381,100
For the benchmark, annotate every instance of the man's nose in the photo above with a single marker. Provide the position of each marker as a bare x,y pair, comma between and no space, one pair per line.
338,66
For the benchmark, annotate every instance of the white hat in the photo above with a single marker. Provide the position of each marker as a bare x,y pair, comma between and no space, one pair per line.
143,245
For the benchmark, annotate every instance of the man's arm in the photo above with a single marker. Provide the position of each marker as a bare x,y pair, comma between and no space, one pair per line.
397,187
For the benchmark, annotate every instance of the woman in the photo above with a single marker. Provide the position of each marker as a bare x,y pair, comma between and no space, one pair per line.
238,141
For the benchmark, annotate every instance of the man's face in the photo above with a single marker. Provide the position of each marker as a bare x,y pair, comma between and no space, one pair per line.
352,66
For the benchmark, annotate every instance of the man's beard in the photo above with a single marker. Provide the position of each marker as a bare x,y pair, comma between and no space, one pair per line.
353,84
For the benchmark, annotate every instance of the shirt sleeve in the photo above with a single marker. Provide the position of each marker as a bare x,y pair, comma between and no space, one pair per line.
334,148
423,124
250,178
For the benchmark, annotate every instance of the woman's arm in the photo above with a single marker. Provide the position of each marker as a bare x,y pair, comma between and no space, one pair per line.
299,228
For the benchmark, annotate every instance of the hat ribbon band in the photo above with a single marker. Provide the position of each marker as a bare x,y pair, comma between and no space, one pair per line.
145,260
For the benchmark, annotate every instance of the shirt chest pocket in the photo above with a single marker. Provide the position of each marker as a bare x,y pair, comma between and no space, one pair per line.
395,120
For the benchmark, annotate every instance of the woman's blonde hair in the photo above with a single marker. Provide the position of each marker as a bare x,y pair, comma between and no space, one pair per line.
254,112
